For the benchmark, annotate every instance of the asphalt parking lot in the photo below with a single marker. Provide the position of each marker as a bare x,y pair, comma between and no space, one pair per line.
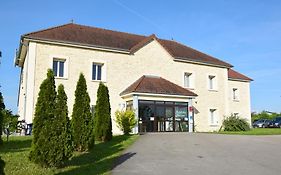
201,154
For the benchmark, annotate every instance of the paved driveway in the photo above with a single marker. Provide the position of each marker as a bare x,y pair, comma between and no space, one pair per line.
201,154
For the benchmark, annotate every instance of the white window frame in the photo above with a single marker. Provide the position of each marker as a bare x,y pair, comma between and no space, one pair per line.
103,70
213,116
212,78
65,67
190,80
235,94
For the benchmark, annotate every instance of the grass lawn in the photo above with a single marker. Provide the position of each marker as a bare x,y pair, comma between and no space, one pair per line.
256,131
100,160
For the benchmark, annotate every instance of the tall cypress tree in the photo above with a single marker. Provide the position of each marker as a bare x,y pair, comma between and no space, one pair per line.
61,126
50,144
103,125
82,119
42,122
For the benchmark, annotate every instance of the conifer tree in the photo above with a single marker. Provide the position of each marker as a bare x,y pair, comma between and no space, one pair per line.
51,146
42,122
82,119
102,119
61,125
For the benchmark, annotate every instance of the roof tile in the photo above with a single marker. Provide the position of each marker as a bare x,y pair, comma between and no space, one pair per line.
232,74
74,33
156,85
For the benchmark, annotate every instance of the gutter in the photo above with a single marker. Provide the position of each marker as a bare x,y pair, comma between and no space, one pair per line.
18,57
156,95
76,44
190,60
235,79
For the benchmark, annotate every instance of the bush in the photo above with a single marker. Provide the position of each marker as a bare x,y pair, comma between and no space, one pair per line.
234,123
2,166
82,119
125,120
103,125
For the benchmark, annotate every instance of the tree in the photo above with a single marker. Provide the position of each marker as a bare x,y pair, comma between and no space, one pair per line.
50,142
61,126
126,120
102,119
2,107
10,122
82,119
264,115
43,119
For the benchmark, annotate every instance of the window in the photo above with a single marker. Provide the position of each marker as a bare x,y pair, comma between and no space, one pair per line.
58,68
213,118
211,82
235,94
188,80
97,71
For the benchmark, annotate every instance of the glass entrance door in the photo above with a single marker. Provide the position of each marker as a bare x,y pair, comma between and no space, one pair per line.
169,119
181,119
146,116
160,116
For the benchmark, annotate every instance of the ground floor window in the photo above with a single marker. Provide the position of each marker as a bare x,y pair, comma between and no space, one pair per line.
160,116
213,117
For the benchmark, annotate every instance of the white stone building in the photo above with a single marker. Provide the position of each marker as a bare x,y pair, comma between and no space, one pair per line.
171,87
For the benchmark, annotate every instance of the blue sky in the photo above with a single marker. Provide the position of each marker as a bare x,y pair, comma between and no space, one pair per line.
246,34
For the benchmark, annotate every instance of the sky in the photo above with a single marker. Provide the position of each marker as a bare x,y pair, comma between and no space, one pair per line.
246,34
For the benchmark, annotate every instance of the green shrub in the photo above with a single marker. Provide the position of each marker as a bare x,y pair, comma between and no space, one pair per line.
82,119
125,120
2,166
102,120
234,123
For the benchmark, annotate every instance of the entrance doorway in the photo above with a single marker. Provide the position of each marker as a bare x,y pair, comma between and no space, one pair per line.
160,116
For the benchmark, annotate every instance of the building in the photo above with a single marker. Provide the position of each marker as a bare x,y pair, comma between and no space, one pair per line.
171,87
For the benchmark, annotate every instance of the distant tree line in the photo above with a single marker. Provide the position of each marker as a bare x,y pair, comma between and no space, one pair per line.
264,115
